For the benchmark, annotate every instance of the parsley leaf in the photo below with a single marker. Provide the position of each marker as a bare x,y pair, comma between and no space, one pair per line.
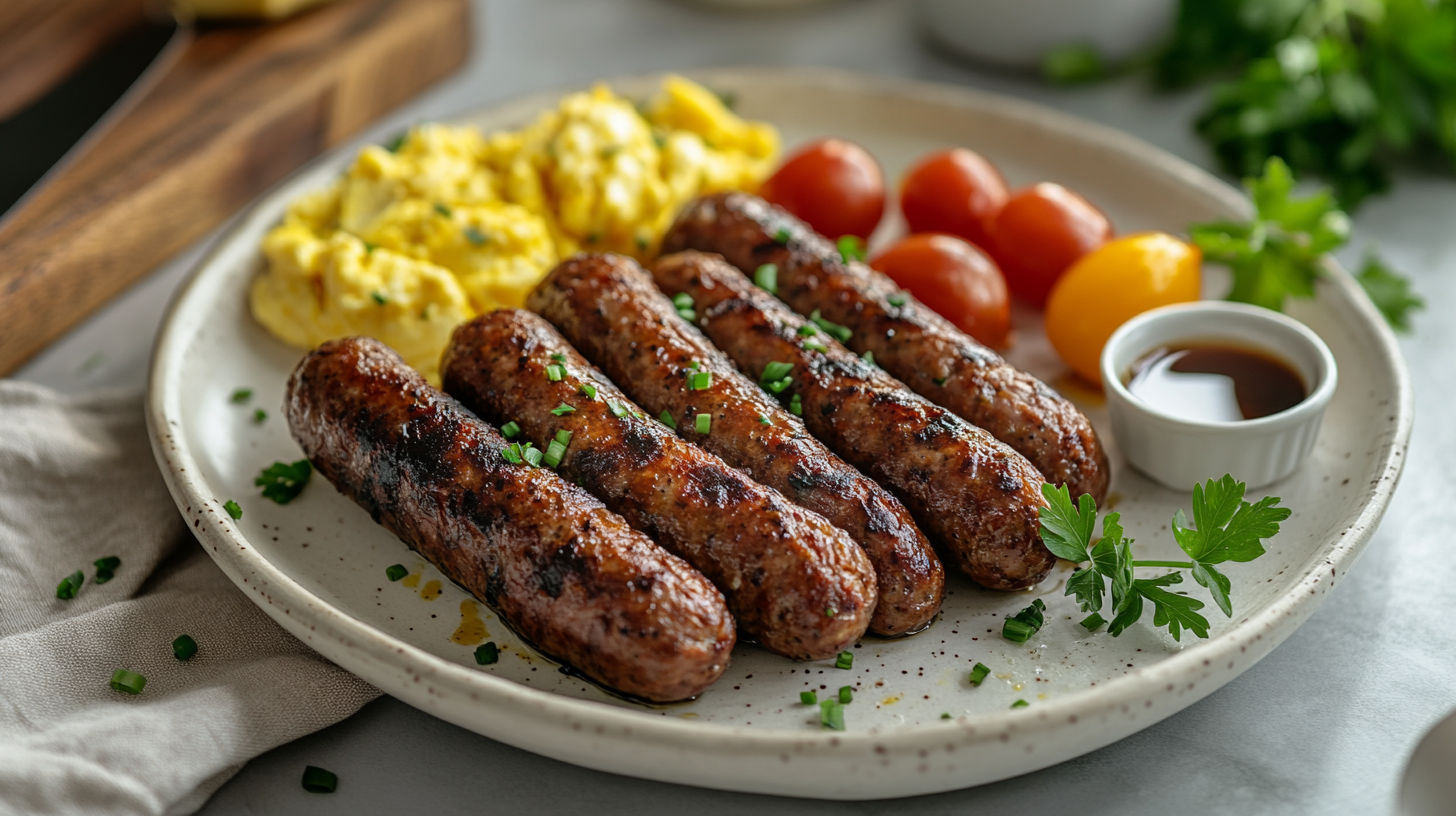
1390,293
282,482
1177,612
1229,528
1066,530
1280,252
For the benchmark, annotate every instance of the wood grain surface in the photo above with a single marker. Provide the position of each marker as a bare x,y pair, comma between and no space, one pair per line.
240,108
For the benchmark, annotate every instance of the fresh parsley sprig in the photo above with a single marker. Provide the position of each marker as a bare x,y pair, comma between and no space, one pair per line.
1225,528
1278,253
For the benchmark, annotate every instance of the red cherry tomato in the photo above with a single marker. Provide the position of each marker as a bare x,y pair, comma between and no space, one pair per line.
955,279
833,185
955,191
1040,233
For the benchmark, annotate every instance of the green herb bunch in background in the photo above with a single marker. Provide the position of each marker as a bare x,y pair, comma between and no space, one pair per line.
1336,88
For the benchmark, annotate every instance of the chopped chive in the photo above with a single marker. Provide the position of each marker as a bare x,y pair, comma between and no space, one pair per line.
393,145
563,436
240,395
688,314
442,209
1020,704
868,357
487,653
704,423
838,332
555,373
851,248
511,430
779,386
695,365
796,406
775,371
558,357
815,345
1020,627
846,695
666,417
939,380
783,235
1093,622
945,715
617,409
394,572
369,248
554,451
184,647
700,380
233,509
259,416
511,454
809,697
830,611
283,482
767,278
70,585
979,673
318,780
682,300
106,568
562,410
128,681
897,300
590,390
845,660
808,330
763,420
475,236
533,456
378,298
831,715
643,243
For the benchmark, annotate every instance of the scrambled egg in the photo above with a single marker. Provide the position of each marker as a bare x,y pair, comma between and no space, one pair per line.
447,223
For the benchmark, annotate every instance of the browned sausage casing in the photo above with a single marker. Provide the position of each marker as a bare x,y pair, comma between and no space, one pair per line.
912,342
975,497
795,583
609,309
569,575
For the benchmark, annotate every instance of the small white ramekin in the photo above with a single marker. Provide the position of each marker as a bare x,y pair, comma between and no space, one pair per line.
1180,452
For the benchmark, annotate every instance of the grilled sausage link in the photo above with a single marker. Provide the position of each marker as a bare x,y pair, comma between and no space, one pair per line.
609,309
566,573
795,583
974,496
912,342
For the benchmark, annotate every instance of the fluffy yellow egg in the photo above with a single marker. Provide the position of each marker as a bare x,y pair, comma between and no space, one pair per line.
448,223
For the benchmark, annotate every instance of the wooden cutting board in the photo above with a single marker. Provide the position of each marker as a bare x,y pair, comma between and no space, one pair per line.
227,111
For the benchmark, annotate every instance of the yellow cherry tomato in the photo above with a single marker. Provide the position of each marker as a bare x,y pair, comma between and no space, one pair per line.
1112,284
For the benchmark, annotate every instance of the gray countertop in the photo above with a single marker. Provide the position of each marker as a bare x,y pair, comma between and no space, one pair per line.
1324,724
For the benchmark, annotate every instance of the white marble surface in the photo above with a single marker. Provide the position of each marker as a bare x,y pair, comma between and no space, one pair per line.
1325,724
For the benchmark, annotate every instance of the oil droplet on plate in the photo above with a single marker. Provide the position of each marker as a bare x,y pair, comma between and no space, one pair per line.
891,700
412,580
431,590
471,631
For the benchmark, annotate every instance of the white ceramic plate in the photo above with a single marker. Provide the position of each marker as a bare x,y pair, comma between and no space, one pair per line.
317,565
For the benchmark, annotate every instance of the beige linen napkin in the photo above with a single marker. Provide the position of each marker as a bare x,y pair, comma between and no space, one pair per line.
78,483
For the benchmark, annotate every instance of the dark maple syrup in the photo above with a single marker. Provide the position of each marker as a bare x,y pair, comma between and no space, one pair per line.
1215,382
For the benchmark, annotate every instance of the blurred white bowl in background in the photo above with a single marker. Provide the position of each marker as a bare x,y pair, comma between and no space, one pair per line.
1019,33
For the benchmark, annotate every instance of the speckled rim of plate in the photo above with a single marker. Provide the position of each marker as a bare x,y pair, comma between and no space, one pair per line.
881,763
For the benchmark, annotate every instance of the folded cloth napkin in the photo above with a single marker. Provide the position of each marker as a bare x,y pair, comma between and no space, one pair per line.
78,483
